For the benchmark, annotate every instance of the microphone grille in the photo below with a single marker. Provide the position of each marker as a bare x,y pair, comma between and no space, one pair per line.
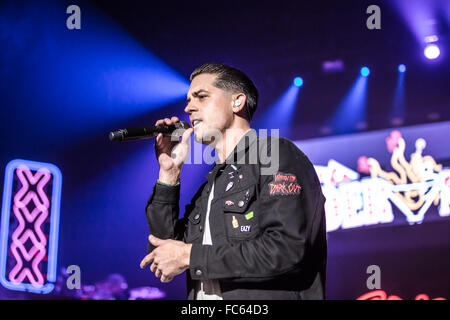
117,135
113,136
182,125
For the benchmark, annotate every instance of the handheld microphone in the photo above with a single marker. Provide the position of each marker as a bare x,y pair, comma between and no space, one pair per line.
148,132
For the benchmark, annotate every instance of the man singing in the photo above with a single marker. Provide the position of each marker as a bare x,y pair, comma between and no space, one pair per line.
256,228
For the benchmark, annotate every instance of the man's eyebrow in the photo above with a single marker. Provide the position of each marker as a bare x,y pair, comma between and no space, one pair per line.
196,93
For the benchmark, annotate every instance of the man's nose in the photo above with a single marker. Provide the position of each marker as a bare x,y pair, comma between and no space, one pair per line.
189,108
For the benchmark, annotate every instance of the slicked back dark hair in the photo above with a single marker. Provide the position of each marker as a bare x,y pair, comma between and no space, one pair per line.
232,80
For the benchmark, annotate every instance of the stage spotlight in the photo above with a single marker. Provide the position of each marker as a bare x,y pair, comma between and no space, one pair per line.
398,104
431,51
280,115
351,112
365,71
298,81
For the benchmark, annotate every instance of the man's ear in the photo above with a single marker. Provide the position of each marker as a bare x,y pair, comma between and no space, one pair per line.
239,103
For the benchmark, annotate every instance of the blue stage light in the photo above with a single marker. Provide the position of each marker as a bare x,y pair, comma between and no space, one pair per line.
298,81
351,112
365,71
401,68
281,113
100,77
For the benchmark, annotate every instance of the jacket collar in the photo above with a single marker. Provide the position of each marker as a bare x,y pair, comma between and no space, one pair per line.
237,157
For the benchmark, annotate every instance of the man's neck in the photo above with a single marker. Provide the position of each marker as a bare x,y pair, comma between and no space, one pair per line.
229,140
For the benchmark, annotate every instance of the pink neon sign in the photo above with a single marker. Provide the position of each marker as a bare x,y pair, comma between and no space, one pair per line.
382,295
30,226
36,218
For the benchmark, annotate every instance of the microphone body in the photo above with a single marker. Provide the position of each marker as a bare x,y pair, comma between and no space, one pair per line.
148,132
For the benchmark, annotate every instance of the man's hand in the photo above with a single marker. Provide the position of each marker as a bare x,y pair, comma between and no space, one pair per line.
169,259
171,154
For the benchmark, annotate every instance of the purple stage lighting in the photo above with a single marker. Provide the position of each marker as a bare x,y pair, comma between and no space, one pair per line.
432,51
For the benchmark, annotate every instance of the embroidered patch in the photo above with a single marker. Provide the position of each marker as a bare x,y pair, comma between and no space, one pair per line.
249,215
229,186
229,203
234,222
245,228
284,184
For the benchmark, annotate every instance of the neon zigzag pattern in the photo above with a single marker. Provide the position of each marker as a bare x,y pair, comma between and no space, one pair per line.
36,217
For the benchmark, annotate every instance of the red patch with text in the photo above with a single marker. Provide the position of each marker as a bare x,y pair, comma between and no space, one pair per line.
284,184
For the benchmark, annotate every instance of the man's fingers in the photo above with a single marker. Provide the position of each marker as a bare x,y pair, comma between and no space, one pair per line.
167,121
166,279
186,136
147,260
158,140
155,241
153,267
158,273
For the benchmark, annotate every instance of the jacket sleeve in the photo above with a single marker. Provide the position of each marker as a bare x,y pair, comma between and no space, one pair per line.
162,213
289,221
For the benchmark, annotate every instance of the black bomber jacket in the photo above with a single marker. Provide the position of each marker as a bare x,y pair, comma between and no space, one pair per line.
267,223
